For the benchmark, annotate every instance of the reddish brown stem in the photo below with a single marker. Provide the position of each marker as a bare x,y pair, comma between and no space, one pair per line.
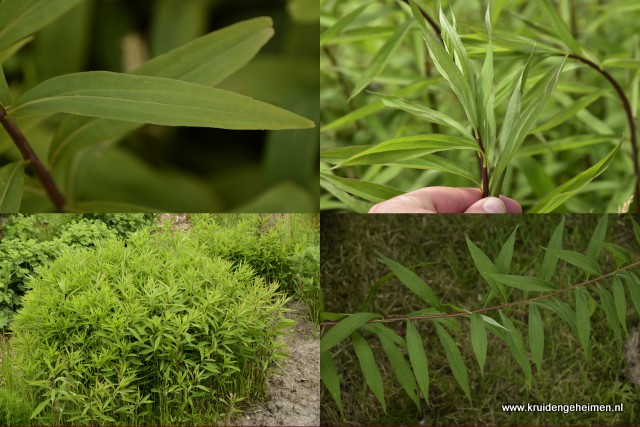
32,159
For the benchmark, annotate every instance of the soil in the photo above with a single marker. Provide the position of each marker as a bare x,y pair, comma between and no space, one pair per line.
294,392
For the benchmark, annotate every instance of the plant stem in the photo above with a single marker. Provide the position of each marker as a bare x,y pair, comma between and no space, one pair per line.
498,307
629,113
30,156
483,166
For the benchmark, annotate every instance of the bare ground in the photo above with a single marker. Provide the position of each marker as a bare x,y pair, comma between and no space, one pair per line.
294,392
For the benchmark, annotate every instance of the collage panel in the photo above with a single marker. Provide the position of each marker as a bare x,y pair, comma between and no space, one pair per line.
480,320
159,319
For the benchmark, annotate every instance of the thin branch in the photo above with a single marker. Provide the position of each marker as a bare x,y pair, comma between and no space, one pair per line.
32,159
497,307
483,167
629,113
430,20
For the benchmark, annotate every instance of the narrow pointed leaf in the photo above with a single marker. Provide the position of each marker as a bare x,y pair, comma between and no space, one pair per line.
456,363
400,368
370,191
577,259
536,335
503,260
599,234
633,286
479,340
343,329
433,162
608,305
154,100
339,25
566,113
636,230
583,322
11,187
21,18
619,301
329,376
516,344
409,147
525,283
5,93
412,281
486,268
369,368
423,112
550,260
565,191
490,321
564,310
559,26
380,59
418,359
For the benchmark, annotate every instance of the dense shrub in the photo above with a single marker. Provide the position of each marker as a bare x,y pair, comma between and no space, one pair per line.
154,332
123,223
14,411
305,266
86,233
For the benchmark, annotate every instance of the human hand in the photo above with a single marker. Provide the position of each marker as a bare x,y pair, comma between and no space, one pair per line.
446,200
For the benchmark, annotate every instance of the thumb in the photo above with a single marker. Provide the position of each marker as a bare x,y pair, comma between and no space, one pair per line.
488,205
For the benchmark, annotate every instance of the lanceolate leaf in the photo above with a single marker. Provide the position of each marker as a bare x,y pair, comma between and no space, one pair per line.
486,268
433,162
381,58
152,100
633,286
565,191
516,344
619,301
599,234
455,359
367,190
11,183
503,260
207,60
343,329
369,368
412,281
566,113
5,93
608,305
559,26
334,30
583,322
400,368
526,283
479,340
329,376
579,260
550,259
536,335
418,359
20,18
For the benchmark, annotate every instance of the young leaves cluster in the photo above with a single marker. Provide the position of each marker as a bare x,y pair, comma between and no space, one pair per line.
505,289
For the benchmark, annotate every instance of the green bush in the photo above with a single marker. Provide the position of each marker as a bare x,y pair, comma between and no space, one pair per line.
305,266
87,233
154,332
14,411
123,223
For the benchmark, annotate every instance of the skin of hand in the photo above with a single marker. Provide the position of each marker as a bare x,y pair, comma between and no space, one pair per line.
446,200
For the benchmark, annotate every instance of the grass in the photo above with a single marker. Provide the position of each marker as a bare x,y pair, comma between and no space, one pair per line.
350,267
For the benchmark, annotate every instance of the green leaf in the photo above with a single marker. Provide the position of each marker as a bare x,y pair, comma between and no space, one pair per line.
381,58
577,259
583,322
486,114
207,60
526,283
412,281
369,368
365,189
479,340
329,376
565,191
516,344
536,335
154,100
455,359
633,286
400,367
343,329
621,254
636,230
503,260
599,234
11,187
21,18
39,409
423,112
490,321
5,93
550,259
620,302
418,359
334,30
448,68
485,267
407,147
608,305
432,162
566,113
559,26
564,310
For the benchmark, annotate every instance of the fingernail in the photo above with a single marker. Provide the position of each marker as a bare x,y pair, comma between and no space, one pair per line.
494,205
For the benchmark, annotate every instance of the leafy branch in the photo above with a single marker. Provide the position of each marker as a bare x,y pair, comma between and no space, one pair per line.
413,374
